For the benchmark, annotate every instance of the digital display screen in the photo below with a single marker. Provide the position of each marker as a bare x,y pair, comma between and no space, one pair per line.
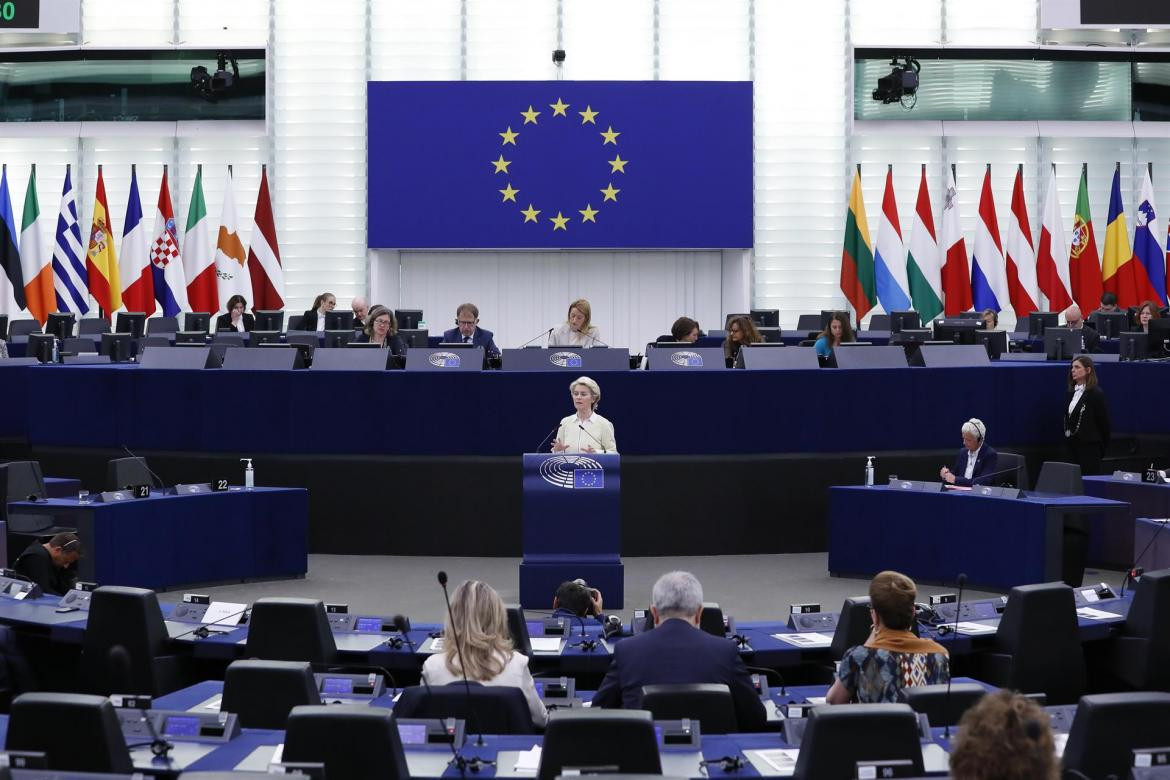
181,726
412,733
20,14
539,689
342,686
368,624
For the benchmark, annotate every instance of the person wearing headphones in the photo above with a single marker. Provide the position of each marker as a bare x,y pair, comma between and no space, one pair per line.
976,462
52,565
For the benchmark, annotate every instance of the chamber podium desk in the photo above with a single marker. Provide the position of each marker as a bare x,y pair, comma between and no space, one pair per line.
1112,544
997,542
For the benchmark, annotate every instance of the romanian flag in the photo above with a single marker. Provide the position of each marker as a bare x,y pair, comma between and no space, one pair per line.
101,262
1117,268
857,271
1084,264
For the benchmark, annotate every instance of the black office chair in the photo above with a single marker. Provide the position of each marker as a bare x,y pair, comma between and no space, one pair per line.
487,709
1138,657
708,703
20,480
587,738
92,326
129,618
78,345
1109,726
942,706
123,472
18,328
354,742
160,326
1009,460
18,677
809,323
518,629
1062,478
263,693
229,339
1038,647
711,620
836,738
879,322
290,629
76,732
308,339
853,627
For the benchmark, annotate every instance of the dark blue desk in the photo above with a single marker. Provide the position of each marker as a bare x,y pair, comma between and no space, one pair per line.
1151,543
1112,544
997,542
163,542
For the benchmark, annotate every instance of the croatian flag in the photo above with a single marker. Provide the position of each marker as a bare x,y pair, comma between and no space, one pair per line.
988,273
170,283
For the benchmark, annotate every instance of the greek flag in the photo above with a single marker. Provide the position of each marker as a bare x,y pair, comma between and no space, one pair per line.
70,279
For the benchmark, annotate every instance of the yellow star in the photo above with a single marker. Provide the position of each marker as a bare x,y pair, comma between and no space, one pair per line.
588,214
610,136
619,165
530,115
587,115
501,165
559,222
610,193
530,213
559,108
509,193
508,136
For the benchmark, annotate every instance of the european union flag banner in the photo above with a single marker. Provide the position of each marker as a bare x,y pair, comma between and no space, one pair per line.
573,164
588,478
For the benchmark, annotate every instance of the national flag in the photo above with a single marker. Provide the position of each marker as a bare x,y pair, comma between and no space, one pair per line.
102,261
39,296
956,273
230,271
889,262
857,270
1052,253
13,275
198,256
1117,270
1150,269
70,280
170,283
1020,254
267,274
137,273
988,273
1084,264
924,263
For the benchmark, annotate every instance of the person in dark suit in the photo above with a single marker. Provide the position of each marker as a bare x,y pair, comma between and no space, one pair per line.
236,319
976,462
575,599
314,318
467,330
1090,339
677,651
1086,417
53,564
382,329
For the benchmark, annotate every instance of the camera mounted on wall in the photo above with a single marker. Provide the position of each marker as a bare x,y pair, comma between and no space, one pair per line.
211,87
901,86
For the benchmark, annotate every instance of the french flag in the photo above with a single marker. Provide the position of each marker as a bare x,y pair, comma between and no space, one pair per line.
989,288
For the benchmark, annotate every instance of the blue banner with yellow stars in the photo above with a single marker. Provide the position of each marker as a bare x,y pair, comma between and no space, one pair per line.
560,164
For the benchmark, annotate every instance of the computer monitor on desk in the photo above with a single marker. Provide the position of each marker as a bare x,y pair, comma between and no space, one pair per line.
132,322
1040,321
1110,324
197,320
1133,345
338,338
269,319
904,320
960,331
339,320
1159,345
408,319
996,342
1062,343
415,338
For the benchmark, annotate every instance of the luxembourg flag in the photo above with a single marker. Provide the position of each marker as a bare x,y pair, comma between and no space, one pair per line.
988,274
893,288
1021,256
69,277
1052,253
170,283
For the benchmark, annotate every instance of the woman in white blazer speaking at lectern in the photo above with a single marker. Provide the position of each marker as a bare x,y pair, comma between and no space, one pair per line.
586,430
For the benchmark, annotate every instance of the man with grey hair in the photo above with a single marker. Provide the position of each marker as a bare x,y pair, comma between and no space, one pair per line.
678,652
1090,339
361,307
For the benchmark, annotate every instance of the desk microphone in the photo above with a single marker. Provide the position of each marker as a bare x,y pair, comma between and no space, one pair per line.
544,441
764,671
460,761
541,335
162,488
204,629
980,480
591,436
586,643
595,340
961,580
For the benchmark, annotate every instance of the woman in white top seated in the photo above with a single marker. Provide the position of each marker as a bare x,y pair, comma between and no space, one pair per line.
485,650
585,430
314,318
577,331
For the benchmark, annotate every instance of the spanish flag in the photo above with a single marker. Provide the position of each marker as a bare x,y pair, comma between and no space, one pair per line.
101,261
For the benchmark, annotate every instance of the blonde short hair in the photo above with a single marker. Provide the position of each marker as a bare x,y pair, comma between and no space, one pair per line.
594,388
583,306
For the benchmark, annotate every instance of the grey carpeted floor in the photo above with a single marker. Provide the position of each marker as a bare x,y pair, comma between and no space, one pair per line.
750,587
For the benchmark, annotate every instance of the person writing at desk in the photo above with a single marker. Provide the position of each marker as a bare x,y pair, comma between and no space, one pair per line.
976,462
52,565
577,331
585,430
381,330
236,319
839,331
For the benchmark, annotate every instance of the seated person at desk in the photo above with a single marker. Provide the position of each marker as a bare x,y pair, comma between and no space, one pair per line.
838,331
741,330
236,318
467,330
990,319
314,318
361,308
381,329
577,331
1108,303
678,651
685,330
52,565
575,599
892,659
485,651
1146,312
1005,736
976,461
1090,339
585,430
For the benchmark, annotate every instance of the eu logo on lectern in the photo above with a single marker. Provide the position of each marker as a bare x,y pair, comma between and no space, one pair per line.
564,164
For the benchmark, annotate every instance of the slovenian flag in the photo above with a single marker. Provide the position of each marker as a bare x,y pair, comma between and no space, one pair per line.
988,275
1151,269
889,263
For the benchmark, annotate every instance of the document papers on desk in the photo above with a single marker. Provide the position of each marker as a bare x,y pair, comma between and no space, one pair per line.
1092,613
528,760
780,761
972,629
223,613
807,640
546,644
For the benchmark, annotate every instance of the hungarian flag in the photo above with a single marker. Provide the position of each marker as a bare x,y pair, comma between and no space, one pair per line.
924,263
198,255
13,276
264,255
170,283
101,260
988,274
1020,254
39,296
1150,265
1117,267
137,276
893,289
956,273
1052,253
857,272
229,252
1084,264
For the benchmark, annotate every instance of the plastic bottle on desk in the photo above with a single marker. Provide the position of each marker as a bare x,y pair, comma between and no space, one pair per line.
56,352
249,474
869,470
